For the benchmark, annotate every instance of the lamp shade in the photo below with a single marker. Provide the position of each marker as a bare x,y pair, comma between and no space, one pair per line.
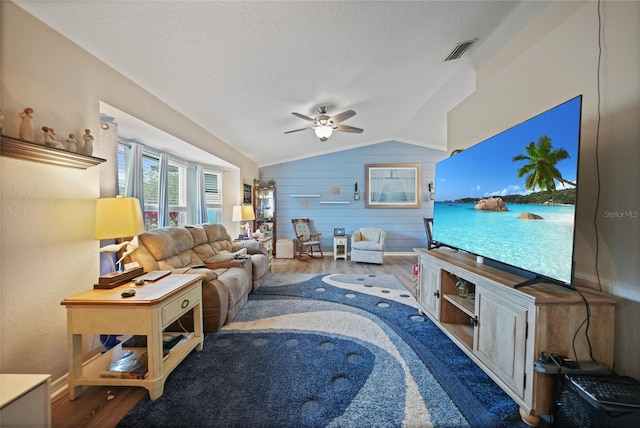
237,213
243,213
118,218
247,213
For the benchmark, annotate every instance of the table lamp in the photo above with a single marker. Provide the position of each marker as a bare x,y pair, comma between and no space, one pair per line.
243,213
118,217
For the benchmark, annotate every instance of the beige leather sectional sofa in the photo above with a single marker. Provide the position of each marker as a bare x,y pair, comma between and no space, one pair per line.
210,251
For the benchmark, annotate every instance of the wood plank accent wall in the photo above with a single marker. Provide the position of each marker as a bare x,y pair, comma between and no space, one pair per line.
319,175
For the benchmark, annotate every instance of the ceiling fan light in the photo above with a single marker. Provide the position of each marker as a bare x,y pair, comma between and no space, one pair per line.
323,132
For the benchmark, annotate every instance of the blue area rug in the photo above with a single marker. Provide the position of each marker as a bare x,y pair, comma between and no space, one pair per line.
328,351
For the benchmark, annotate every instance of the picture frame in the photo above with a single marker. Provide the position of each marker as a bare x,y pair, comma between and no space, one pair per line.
393,185
246,193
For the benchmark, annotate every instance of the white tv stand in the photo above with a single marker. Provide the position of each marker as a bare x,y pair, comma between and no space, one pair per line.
503,329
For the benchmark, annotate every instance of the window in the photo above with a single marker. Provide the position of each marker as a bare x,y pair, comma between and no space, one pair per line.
213,193
150,169
181,200
122,175
177,194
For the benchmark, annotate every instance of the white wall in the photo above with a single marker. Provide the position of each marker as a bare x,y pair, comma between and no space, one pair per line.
552,60
47,248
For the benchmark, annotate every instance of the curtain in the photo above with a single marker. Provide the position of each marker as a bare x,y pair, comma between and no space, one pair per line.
376,183
406,190
163,191
133,169
196,196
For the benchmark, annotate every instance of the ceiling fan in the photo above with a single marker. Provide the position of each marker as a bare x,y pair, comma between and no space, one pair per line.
325,125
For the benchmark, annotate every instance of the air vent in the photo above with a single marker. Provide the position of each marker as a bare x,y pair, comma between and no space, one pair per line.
460,49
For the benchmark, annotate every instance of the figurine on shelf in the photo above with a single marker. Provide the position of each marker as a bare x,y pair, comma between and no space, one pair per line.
49,138
53,134
27,130
88,143
72,143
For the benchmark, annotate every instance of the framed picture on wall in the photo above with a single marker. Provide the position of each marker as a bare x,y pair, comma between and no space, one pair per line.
393,185
247,193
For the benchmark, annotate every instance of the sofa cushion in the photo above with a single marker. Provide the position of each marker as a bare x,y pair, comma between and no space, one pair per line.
166,242
370,234
217,237
367,245
198,234
184,259
208,274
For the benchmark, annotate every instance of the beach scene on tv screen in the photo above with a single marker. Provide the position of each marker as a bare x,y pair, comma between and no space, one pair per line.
512,198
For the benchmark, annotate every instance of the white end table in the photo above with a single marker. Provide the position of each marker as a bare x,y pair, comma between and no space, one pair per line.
340,247
155,306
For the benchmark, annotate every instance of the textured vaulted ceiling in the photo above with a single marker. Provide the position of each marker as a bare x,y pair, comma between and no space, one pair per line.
239,68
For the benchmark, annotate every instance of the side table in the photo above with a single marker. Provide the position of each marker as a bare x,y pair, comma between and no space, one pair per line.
340,247
266,243
154,307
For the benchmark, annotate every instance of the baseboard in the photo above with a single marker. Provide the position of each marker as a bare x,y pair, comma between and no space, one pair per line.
60,386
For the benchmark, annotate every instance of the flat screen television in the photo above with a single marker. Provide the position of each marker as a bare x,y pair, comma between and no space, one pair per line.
511,199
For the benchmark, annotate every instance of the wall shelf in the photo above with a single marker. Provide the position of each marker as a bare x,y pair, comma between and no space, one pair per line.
26,150
334,202
304,196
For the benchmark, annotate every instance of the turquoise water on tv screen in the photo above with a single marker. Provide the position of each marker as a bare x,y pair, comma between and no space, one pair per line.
541,246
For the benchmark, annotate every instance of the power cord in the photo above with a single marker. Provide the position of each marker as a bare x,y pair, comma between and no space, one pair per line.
597,158
586,321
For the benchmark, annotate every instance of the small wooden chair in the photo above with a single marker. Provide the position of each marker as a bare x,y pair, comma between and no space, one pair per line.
306,240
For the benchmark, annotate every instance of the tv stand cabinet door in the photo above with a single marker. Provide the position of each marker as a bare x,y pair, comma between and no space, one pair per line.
429,289
501,338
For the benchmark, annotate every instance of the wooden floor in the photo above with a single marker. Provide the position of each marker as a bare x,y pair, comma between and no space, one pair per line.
103,407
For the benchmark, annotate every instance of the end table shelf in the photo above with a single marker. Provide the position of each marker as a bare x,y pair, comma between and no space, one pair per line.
154,307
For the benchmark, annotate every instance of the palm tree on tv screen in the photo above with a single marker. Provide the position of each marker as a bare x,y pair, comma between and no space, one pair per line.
541,170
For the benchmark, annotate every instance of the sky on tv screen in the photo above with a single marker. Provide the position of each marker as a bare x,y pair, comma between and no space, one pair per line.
486,169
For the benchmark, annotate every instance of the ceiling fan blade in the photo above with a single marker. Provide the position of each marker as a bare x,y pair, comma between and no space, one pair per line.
342,116
302,116
296,130
346,128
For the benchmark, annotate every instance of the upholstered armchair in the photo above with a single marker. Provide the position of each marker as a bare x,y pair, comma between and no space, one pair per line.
367,245
306,240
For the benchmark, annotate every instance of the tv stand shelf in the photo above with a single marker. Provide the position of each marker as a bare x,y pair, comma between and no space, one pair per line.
465,304
503,329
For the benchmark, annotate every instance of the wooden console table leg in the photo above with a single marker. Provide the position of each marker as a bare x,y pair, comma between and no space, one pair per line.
75,365
156,391
198,325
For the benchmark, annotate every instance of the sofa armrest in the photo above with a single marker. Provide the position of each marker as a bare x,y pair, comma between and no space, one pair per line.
252,246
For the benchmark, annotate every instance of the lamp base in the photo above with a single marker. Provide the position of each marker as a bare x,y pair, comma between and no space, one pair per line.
115,279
